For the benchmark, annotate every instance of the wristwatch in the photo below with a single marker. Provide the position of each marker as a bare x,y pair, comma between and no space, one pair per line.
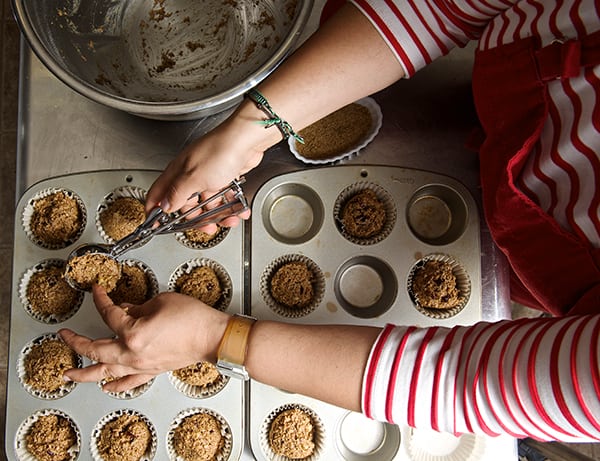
231,354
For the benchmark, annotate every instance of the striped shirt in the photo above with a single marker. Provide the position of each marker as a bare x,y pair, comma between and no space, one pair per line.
533,378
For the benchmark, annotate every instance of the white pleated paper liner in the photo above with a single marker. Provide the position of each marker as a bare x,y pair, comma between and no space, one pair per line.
318,286
64,389
463,284
23,454
120,293
222,454
45,278
130,192
198,240
28,219
147,455
222,275
376,121
382,195
128,394
318,433
430,445
198,391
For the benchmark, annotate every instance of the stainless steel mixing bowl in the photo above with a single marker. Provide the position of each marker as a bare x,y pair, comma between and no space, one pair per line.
162,59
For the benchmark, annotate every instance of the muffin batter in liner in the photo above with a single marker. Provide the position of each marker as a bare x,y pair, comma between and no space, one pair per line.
28,213
49,318
198,392
318,433
224,279
151,279
150,452
226,434
21,446
121,192
388,204
318,284
63,390
463,284
214,241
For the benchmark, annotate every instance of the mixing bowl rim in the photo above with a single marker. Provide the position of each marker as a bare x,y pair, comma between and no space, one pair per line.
222,100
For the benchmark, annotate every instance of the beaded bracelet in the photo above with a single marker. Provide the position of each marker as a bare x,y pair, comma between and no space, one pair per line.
274,119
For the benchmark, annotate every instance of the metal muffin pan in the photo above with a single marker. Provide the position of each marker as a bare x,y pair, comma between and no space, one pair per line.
87,404
365,282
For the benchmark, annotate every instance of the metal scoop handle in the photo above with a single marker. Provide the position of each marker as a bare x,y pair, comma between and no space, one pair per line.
229,201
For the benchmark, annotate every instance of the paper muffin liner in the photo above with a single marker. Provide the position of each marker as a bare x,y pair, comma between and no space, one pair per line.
28,214
283,310
152,280
221,233
63,390
318,433
463,283
377,119
429,445
21,446
128,394
150,452
226,434
383,195
222,275
121,192
198,392
24,284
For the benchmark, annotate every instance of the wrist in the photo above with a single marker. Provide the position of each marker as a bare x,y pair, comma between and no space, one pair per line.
232,350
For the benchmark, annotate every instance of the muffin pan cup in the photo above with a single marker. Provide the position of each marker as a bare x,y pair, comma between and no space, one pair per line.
364,284
87,403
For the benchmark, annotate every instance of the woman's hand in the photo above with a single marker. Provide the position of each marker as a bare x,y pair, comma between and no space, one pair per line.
168,332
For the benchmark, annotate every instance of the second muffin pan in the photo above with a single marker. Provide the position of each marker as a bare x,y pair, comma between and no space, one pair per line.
296,216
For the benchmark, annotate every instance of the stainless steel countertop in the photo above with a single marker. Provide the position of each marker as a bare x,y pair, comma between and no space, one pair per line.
426,121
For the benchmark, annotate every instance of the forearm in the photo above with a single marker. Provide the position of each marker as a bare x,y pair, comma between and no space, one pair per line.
321,361
345,60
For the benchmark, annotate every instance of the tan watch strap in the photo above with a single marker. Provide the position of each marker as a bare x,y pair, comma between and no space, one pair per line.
234,342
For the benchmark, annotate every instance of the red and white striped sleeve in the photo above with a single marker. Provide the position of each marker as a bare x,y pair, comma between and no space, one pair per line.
534,378
419,31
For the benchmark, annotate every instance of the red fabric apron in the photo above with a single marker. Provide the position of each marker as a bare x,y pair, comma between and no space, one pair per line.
552,269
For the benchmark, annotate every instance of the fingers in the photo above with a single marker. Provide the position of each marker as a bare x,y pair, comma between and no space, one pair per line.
114,377
98,350
116,317
173,187
127,382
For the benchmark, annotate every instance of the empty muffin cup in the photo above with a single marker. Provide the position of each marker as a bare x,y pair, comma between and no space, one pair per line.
292,285
123,435
292,213
430,445
120,213
437,214
41,365
54,218
359,438
439,286
46,296
63,435
200,433
291,432
365,286
203,279
364,213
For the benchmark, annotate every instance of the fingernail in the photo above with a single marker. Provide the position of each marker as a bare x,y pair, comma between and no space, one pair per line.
165,205
66,378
